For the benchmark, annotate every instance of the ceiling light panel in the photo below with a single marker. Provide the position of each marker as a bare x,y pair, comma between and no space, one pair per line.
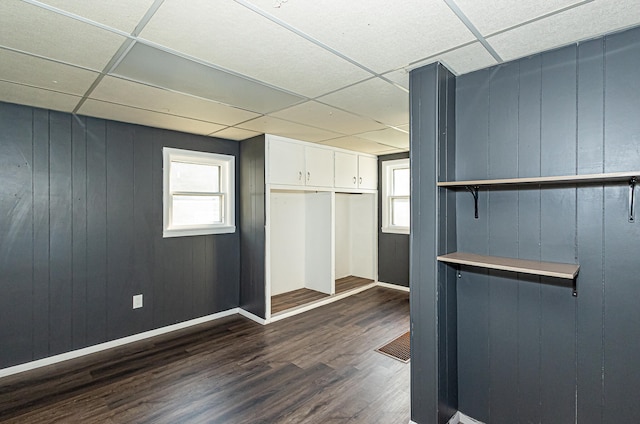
358,144
389,137
30,70
270,125
489,16
584,22
228,34
35,30
121,14
159,68
37,97
376,99
121,113
142,96
379,34
234,134
329,118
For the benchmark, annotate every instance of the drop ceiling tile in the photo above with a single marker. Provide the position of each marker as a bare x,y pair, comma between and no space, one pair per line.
389,137
35,30
358,145
30,70
128,93
37,97
380,34
489,16
161,69
132,115
588,21
400,76
121,14
462,60
375,98
232,133
275,126
322,116
230,35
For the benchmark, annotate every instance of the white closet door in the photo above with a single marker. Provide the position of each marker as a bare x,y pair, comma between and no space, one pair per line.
367,172
346,170
319,167
286,163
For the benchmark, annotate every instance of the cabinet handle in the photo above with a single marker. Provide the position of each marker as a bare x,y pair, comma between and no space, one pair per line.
308,175
354,180
299,175
360,180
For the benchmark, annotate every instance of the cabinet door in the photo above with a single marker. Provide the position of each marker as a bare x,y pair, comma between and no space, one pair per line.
346,170
286,163
319,167
367,172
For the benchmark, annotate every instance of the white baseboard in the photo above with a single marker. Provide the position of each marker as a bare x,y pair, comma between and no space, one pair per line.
111,344
393,286
252,317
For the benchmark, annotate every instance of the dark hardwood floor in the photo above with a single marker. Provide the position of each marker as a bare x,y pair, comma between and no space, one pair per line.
316,367
295,298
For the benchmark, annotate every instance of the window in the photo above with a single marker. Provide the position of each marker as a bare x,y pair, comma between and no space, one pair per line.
198,193
396,190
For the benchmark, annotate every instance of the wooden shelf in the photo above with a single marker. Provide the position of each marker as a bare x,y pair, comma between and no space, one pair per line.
548,269
561,179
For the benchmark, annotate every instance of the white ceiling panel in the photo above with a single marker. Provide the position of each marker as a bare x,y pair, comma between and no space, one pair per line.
129,93
358,144
121,14
400,76
235,38
390,137
30,70
38,97
322,116
489,16
602,16
376,99
460,61
35,30
379,34
271,125
115,112
233,133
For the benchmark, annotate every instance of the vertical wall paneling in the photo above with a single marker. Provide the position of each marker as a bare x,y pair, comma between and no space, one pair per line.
529,312
252,222
621,238
590,320
60,235
82,199
393,249
16,248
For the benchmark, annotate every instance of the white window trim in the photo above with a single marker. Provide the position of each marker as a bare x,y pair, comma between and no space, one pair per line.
387,183
227,188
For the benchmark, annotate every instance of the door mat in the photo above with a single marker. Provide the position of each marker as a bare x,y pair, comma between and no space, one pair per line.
398,348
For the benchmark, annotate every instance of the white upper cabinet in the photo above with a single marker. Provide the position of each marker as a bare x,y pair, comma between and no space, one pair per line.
367,172
286,163
346,170
319,166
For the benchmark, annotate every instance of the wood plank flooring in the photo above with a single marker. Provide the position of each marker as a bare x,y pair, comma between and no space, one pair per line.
295,298
316,367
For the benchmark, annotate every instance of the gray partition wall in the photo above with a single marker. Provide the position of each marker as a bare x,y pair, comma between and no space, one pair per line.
527,350
81,233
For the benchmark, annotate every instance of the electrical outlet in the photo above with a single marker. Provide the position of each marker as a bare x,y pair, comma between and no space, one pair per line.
137,301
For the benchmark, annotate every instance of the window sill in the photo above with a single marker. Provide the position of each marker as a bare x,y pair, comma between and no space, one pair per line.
198,231
396,230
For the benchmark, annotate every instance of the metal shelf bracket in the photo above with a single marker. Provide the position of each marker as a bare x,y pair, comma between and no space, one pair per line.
474,192
632,191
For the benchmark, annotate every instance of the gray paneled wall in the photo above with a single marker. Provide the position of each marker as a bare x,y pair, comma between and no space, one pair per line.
81,233
393,249
527,350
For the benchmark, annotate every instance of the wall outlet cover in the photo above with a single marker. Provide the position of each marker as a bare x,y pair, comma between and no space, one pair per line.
137,301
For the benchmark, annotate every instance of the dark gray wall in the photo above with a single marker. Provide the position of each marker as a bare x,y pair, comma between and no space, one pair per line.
393,249
528,350
434,389
81,233
252,222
